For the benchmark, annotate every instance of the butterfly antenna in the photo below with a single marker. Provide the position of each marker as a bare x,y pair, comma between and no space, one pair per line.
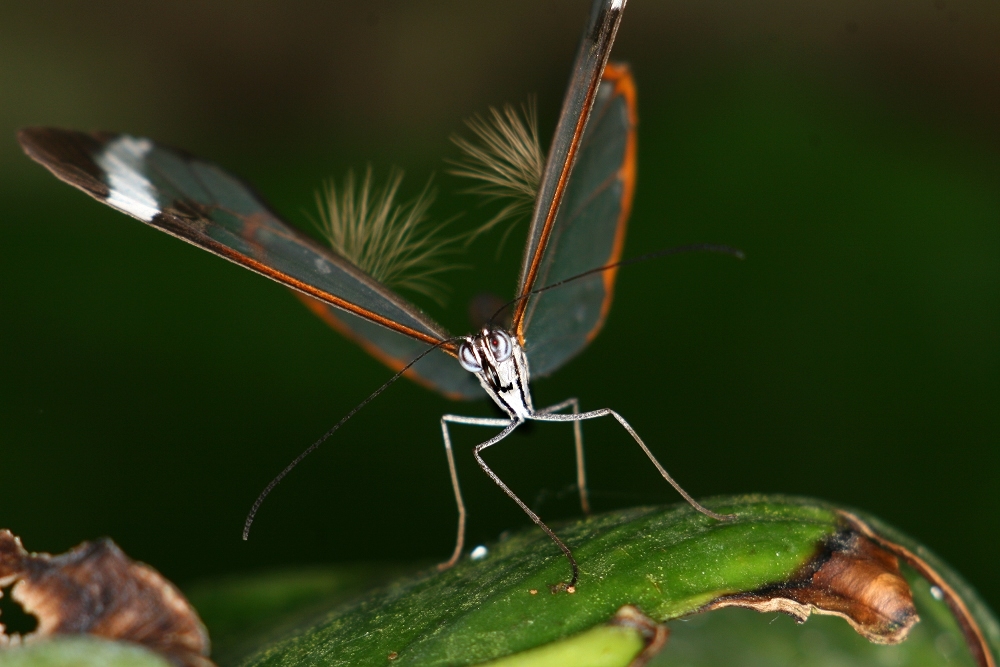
309,450
676,250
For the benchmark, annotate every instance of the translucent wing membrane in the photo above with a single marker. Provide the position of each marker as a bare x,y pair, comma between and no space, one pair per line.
588,232
204,205
584,82
437,371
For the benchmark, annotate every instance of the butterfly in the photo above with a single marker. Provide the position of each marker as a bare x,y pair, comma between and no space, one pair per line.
567,277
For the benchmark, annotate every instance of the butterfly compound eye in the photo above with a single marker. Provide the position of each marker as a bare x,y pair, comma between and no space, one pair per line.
467,358
500,345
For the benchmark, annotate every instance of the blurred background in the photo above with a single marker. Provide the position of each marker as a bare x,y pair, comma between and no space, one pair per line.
148,390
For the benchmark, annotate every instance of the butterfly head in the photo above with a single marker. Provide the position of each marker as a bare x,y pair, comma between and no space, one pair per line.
499,362
487,349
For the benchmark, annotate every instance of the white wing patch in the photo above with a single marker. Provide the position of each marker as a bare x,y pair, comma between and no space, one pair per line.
123,160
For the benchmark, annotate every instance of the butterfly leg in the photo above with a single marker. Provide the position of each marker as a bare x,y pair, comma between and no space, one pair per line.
593,414
581,472
471,421
534,517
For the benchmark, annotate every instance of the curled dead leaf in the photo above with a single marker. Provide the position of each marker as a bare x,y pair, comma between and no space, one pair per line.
855,575
96,589
975,636
851,577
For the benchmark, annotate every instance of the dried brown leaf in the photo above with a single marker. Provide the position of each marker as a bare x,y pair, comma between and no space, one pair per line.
851,577
96,589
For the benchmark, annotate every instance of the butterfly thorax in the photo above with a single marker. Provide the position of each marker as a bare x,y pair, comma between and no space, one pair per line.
496,358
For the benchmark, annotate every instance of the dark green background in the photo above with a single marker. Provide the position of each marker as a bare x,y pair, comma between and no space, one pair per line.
852,149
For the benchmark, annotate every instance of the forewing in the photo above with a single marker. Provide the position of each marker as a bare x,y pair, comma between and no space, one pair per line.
580,96
206,206
588,233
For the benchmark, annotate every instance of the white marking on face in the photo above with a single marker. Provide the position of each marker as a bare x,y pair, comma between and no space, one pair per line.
129,190
322,266
507,374
499,345
467,357
502,368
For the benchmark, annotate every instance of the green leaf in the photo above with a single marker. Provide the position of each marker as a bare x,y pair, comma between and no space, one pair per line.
602,646
640,568
246,612
80,651
668,562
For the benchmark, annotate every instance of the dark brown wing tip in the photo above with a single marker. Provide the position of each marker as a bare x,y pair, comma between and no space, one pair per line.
68,154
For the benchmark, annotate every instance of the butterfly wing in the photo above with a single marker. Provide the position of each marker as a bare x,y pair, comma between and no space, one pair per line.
581,219
584,82
589,231
437,371
206,206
